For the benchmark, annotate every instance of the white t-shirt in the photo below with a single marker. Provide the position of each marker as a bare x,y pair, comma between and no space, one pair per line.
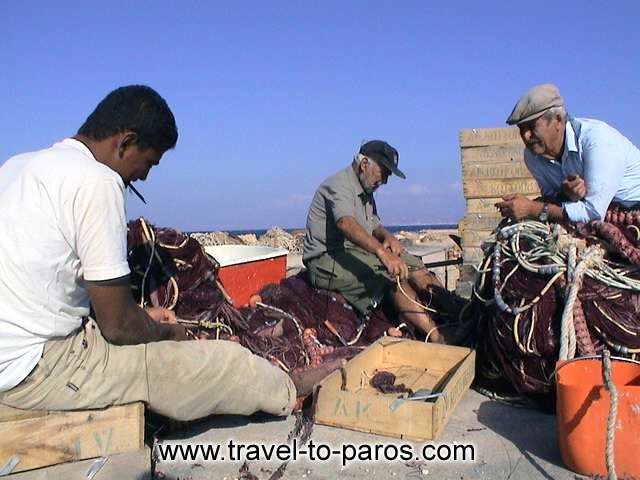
62,221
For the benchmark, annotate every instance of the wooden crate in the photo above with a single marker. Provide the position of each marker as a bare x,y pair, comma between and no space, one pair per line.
487,205
43,438
498,187
482,137
131,465
481,221
492,154
472,255
474,238
446,369
495,170
492,166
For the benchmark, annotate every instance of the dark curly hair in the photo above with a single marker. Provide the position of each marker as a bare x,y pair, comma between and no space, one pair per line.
137,108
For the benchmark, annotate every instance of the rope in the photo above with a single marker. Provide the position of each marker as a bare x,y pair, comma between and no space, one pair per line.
150,238
552,252
418,304
590,258
428,309
613,411
281,312
437,327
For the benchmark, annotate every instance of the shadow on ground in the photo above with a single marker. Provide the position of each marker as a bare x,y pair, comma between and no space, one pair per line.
532,432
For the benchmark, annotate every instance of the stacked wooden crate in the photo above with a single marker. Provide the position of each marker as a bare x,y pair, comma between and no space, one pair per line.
492,166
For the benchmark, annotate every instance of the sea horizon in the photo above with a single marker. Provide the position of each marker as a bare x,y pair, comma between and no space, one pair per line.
392,228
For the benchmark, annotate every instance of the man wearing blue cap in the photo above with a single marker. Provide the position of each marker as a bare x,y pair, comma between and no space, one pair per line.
348,250
580,163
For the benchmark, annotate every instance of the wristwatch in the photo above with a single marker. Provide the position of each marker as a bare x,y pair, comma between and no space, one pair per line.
544,214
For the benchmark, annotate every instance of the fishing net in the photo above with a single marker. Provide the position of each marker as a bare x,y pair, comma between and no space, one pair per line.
291,324
544,293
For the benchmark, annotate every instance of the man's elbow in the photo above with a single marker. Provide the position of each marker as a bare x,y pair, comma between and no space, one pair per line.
117,337
583,215
344,223
115,334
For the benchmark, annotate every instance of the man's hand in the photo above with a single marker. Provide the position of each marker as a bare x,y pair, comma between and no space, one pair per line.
393,244
574,188
162,315
394,264
123,322
517,207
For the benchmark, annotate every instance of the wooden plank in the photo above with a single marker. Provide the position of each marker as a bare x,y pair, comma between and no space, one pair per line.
472,255
510,169
8,413
474,238
455,387
70,436
123,465
482,221
481,188
512,152
474,137
482,205
486,205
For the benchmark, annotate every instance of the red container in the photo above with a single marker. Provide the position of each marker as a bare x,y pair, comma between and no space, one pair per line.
582,409
245,269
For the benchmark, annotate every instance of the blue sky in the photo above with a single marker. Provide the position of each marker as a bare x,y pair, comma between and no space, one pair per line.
272,97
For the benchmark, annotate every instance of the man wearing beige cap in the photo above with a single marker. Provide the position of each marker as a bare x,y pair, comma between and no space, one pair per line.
580,163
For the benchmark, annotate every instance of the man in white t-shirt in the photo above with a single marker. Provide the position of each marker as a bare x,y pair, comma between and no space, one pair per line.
63,247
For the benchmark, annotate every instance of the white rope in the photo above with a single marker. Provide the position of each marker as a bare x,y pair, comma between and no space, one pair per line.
613,412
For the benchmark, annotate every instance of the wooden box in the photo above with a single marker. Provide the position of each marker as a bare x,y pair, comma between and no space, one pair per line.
43,438
439,368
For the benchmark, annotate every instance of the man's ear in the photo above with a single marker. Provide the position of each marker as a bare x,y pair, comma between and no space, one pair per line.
560,126
128,139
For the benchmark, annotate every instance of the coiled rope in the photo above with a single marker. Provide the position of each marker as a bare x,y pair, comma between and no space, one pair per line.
553,252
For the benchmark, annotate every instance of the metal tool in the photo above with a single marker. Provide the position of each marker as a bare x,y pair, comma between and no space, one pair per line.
95,467
8,467
333,330
422,394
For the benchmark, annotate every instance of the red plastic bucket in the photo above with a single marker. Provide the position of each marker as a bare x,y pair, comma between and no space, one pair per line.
582,409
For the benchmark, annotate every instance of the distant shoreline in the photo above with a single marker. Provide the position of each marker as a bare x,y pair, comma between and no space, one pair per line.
392,228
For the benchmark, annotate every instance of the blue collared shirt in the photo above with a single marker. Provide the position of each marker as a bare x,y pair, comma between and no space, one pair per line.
607,161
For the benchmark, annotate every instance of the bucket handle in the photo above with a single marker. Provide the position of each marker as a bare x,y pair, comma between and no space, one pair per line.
562,363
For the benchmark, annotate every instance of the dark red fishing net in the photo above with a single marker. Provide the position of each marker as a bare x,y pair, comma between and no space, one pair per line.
524,350
294,334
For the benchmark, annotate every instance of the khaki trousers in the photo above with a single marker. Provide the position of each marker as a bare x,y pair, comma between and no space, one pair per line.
356,274
181,380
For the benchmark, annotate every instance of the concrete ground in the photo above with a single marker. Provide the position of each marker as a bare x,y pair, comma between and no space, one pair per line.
510,443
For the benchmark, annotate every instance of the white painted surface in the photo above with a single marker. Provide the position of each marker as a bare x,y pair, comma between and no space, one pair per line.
227,255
